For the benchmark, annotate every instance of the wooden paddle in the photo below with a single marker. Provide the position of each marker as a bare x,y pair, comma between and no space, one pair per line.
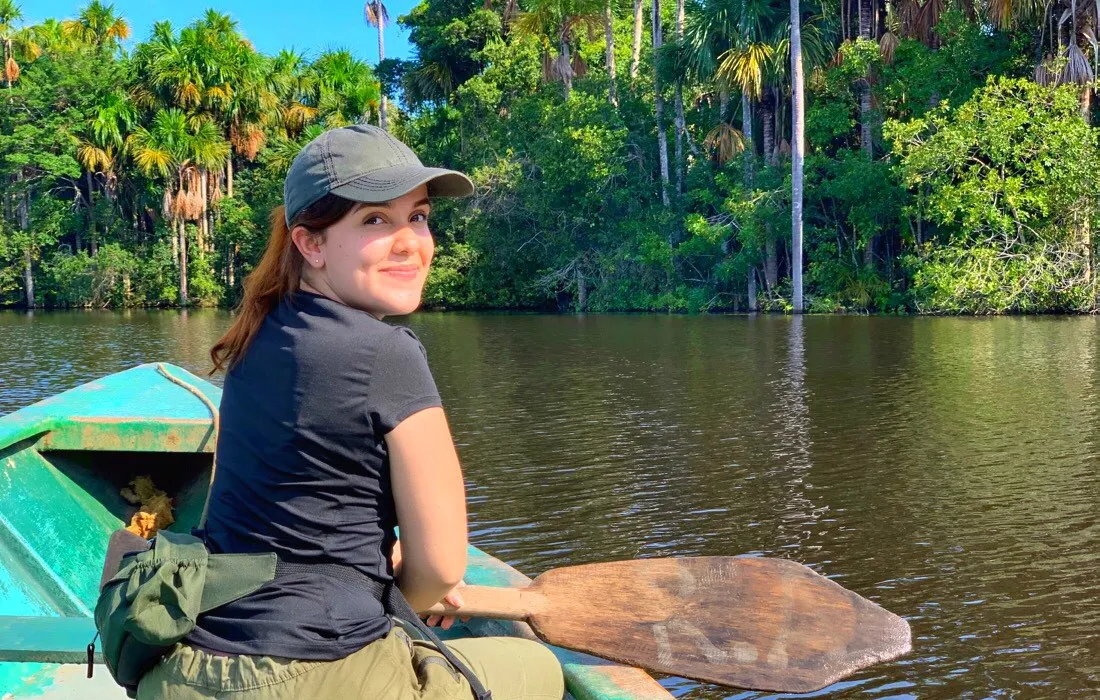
761,624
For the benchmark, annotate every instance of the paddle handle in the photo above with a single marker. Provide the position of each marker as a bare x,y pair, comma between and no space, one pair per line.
494,602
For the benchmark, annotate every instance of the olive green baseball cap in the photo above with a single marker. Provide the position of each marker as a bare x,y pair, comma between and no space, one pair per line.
364,164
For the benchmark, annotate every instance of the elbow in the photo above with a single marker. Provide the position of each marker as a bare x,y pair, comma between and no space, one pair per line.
436,573
450,573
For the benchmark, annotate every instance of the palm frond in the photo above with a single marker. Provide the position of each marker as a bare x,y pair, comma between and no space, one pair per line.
724,142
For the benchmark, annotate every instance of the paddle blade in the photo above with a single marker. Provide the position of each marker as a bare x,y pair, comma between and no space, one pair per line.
763,624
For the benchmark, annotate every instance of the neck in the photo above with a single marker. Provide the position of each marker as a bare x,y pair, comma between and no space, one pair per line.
321,288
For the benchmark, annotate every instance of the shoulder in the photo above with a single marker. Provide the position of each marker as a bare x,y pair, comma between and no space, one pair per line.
402,342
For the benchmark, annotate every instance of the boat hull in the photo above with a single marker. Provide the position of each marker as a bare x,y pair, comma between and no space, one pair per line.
62,463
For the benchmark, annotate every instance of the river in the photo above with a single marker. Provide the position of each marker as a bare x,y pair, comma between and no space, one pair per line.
945,468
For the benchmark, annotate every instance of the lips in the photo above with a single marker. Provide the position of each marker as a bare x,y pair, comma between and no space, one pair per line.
404,272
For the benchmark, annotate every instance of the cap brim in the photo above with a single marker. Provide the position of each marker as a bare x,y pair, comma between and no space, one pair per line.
391,183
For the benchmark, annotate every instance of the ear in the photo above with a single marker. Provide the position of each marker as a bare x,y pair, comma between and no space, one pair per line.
309,245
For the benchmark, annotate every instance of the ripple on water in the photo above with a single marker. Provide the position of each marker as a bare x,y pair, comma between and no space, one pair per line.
945,468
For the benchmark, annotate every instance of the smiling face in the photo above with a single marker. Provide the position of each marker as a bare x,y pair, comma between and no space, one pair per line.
375,258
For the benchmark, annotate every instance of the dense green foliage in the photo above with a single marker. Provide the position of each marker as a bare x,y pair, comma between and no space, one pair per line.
944,171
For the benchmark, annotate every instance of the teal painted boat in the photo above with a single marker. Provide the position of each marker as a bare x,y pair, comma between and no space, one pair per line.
63,462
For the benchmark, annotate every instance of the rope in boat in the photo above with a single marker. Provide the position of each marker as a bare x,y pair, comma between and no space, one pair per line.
214,416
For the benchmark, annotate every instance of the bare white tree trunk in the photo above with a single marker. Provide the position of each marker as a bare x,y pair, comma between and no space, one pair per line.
566,59
93,244
204,231
746,129
381,57
28,252
680,164
753,306
659,104
798,116
183,261
229,175
636,54
609,40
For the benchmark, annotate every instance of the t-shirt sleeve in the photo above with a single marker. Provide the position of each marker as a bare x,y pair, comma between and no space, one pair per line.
401,383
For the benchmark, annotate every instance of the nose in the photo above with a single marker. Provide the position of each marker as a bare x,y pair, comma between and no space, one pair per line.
406,241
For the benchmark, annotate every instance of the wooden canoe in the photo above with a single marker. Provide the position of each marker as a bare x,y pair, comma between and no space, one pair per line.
63,462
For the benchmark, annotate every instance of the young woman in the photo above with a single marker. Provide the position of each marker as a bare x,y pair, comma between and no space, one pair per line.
332,433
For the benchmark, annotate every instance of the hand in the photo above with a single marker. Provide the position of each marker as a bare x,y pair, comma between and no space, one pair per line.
451,600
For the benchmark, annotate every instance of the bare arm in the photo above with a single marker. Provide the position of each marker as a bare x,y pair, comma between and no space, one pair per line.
430,497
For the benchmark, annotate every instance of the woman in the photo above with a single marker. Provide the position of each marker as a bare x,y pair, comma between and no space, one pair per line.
332,433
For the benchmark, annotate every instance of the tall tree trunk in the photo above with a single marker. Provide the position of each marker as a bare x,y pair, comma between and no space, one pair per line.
4,65
183,261
636,53
798,116
582,289
229,175
679,97
175,245
750,147
211,190
232,266
609,40
767,121
865,23
567,67
723,103
381,57
28,252
202,238
92,243
753,305
771,261
659,104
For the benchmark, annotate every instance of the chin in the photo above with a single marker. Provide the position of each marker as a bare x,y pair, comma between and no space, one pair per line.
402,307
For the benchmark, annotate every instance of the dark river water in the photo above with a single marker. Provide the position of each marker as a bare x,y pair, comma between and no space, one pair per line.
944,468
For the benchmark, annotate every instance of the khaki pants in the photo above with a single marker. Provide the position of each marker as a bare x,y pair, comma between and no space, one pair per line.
392,668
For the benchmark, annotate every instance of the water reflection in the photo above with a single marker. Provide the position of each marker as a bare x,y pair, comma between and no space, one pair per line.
945,468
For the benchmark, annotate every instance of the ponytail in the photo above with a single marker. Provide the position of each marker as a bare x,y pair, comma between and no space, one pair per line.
278,275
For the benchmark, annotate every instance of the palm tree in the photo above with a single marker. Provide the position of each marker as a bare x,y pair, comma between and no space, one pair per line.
560,21
294,87
346,91
376,16
174,149
50,36
99,148
797,146
97,25
13,40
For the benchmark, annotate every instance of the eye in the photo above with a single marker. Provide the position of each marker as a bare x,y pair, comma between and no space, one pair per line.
374,220
419,217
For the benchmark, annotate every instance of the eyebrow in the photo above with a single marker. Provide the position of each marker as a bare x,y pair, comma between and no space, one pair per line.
387,205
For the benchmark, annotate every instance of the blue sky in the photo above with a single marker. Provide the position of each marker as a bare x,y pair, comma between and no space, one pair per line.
310,26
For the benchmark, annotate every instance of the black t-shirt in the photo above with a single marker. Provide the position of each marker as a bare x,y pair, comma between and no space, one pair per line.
303,471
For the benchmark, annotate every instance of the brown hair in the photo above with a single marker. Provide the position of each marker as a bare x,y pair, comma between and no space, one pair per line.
278,275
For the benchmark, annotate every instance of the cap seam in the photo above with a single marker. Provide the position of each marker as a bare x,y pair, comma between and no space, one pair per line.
341,183
326,158
394,183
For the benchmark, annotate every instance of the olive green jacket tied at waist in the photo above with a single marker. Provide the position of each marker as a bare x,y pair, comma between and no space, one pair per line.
152,593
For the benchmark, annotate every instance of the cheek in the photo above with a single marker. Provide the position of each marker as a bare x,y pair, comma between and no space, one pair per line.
427,250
